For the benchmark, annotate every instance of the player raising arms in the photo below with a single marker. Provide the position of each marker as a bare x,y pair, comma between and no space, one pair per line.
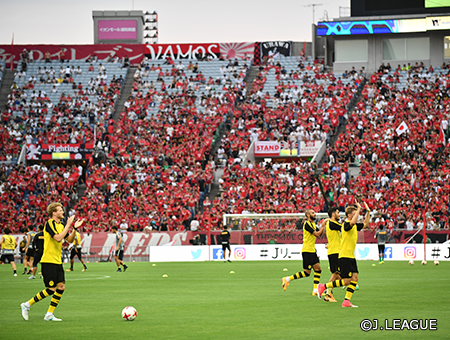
309,255
333,230
52,269
347,262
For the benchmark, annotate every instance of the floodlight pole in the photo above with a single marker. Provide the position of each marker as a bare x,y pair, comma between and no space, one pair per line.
313,6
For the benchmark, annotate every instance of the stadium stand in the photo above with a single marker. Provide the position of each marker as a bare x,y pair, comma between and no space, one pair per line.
160,148
403,171
288,102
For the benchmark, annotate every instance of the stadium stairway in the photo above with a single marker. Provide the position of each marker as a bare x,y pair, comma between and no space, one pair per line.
251,75
343,126
125,92
5,90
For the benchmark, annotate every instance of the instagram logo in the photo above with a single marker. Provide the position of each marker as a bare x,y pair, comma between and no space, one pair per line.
410,252
239,253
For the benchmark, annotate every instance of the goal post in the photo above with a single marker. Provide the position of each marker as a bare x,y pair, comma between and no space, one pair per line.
266,222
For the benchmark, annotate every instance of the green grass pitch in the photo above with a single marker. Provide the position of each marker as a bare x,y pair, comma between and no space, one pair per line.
205,301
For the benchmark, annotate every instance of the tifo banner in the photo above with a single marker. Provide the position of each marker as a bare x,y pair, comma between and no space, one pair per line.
59,151
75,52
190,51
285,149
274,252
276,48
117,29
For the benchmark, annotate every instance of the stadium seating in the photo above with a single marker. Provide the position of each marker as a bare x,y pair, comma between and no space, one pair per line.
161,156
401,174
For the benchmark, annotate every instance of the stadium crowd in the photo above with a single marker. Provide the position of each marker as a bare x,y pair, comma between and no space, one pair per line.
156,169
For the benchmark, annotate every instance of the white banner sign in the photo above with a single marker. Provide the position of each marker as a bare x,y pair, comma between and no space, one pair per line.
395,252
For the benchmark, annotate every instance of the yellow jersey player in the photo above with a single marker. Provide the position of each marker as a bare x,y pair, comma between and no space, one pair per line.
8,244
52,269
309,254
347,263
76,251
333,232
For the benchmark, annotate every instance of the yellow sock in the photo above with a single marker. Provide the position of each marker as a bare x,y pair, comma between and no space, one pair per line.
55,300
337,283
317,278
298,275
39,296
350,290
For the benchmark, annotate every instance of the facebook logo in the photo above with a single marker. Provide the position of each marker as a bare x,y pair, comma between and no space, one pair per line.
388,253
217,254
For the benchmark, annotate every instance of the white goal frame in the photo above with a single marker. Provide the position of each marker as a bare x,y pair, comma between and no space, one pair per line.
288,216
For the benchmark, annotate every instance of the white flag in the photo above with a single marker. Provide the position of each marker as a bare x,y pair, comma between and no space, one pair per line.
402,128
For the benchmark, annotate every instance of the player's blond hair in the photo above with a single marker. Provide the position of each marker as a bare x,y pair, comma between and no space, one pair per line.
349,210
53,207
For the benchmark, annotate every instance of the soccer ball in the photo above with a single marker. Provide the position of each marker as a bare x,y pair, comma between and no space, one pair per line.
424,262
436,262
129,313
411,262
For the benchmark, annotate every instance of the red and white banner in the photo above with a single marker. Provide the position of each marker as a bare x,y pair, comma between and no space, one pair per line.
190,51
284,149
267,149
134,52
59,151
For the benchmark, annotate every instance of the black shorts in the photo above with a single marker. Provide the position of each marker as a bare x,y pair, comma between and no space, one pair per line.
7,257
119,254
226,246
347,267
333,260
53,274
30,252
37,258
381,248
309,260
73,253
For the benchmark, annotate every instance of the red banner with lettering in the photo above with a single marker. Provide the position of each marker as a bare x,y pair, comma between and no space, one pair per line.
134,52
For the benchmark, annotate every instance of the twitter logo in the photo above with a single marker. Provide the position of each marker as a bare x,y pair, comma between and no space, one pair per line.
196,254
363,252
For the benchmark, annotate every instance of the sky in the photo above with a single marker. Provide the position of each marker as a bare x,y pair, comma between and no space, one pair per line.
180,21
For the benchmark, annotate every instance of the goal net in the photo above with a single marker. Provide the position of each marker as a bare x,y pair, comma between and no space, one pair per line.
267,222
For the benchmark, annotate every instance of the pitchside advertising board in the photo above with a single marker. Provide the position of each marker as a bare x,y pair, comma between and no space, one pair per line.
59,151
174,246
284,149
394,252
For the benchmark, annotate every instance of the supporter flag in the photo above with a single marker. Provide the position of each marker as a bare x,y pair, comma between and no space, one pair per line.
441,138
402,128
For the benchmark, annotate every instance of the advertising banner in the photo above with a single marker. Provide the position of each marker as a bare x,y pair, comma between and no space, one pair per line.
274,252
117,29
284,149
59,151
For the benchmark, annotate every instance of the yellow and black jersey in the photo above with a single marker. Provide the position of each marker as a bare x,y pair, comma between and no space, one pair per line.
8,245
309,239
77,240
349,238
334,236
225,236
52,248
